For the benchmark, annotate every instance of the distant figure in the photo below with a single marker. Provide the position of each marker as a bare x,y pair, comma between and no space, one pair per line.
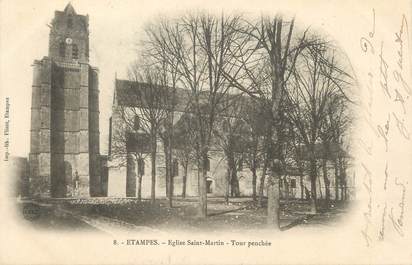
76,182
307,193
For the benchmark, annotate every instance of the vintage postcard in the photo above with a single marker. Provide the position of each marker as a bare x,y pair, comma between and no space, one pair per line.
206,132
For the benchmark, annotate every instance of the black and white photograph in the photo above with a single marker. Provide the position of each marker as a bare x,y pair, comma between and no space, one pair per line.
195,132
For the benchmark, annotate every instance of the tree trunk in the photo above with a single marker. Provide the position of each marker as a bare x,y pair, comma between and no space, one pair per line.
273,218
227,191
343,188
169,181
228,177
262,183
233,180
202,187
327,183
234,187
184,180
171,190
254,179
346,191
336,181
302,187
170,158
139,187
167,172
301,176
285,181
342,178
130,176
320,189
153,162
313,199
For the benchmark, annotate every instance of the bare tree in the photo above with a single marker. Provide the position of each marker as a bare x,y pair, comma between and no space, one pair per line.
149,97
270,61
330,132
201,44
298,156
253,141
155,47
339,123
280,47
184,141
230,130
125,152
315,83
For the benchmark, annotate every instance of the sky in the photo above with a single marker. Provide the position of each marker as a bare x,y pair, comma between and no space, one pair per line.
115,27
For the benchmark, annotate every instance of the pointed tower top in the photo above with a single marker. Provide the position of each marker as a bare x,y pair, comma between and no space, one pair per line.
69,9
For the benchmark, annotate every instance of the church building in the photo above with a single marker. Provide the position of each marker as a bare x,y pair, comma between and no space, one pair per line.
65,160
129,148
64,143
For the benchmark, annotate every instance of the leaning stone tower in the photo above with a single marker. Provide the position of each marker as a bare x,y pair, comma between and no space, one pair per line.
64,144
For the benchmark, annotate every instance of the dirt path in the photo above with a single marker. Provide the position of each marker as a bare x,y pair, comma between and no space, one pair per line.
122,215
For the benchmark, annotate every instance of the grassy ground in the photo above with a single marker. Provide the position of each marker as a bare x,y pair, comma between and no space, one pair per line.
238,215
46,217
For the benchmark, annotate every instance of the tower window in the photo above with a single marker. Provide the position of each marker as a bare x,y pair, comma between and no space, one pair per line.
75,52
69,22
62,49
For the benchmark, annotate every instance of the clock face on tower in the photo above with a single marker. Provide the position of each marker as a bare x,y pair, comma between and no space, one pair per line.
69,41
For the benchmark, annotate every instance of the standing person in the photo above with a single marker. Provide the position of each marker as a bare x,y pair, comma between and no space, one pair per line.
76,183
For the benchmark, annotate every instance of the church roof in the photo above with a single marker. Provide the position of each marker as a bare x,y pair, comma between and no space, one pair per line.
135,94
61,16
69,9
331,151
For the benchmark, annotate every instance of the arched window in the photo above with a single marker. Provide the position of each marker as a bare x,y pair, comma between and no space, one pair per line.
209,186
75,52
70,22
136,123
62,49
293,183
